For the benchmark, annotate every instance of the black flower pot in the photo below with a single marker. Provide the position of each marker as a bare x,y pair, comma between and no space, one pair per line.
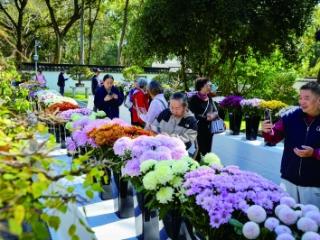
222,113
172,222
252,126
105,181
123,202
57,133
235,122
146,221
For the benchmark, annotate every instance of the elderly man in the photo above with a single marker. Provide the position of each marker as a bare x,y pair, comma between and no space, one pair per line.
300,129
177,120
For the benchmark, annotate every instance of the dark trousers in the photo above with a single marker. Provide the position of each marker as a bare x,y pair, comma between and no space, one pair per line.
204,139
61,90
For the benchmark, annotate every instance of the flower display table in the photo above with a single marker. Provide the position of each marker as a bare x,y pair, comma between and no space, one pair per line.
249,155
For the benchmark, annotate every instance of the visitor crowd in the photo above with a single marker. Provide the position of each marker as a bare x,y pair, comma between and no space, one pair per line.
189,117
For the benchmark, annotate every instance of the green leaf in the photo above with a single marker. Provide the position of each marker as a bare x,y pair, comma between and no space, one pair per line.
54,222
74,237
89,193
8,176
38,188
40,229
63,208
234,222
70,189
72,230
19,213
15,227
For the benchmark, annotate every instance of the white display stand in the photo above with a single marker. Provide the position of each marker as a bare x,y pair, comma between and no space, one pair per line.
249,155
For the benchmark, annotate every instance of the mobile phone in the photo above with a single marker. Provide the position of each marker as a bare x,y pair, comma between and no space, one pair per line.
267,115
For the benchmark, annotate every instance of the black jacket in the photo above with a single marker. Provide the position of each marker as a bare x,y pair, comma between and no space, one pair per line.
61,80
111,108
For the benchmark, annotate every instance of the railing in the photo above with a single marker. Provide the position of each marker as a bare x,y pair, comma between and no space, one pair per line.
66,67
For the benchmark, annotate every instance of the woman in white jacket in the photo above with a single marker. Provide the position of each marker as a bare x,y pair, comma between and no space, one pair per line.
157,105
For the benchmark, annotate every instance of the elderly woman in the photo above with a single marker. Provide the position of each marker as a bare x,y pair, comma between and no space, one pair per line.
177,121
157,105
140,101
108,98
205,112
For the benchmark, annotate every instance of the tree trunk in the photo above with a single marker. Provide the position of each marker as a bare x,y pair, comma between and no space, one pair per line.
17,26
57,51
90,36
60,34
91,27
82,35
123,31
183,74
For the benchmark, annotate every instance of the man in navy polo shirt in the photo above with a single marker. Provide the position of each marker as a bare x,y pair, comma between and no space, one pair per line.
300,129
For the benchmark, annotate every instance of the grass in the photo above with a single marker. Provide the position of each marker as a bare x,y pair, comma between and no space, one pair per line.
78,96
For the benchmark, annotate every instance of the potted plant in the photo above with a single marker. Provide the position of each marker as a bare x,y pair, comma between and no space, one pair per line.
232,104
274,106
80,73
252,111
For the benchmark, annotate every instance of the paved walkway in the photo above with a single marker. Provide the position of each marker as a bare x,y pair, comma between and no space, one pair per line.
100,215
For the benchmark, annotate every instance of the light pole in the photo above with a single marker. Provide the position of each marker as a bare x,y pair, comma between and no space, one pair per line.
36,56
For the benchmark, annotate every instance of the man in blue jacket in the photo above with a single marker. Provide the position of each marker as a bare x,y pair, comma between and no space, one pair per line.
300,129
108,98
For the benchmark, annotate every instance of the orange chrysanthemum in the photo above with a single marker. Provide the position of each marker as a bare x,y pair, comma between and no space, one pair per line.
63,106
107,134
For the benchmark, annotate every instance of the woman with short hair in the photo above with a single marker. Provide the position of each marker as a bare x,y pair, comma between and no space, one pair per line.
140,101
177,120
205,112
157,105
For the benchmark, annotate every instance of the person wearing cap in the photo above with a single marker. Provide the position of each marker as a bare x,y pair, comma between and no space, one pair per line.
140,101
61,82
108,98
94,81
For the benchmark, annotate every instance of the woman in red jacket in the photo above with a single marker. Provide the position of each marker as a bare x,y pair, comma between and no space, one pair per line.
140,100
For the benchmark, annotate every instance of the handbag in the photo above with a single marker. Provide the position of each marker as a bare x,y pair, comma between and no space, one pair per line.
217,126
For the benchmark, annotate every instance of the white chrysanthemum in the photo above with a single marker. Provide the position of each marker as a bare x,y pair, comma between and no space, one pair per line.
251,230
285,236
164,195
299,213
288,201
176,182
163,174
279,207
150,181
271,223
147,165
281,229
180,167
307,225
314,215
256,214
287,216
309,207
310,236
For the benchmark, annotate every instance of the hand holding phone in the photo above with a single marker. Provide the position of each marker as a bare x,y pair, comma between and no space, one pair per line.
267,115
